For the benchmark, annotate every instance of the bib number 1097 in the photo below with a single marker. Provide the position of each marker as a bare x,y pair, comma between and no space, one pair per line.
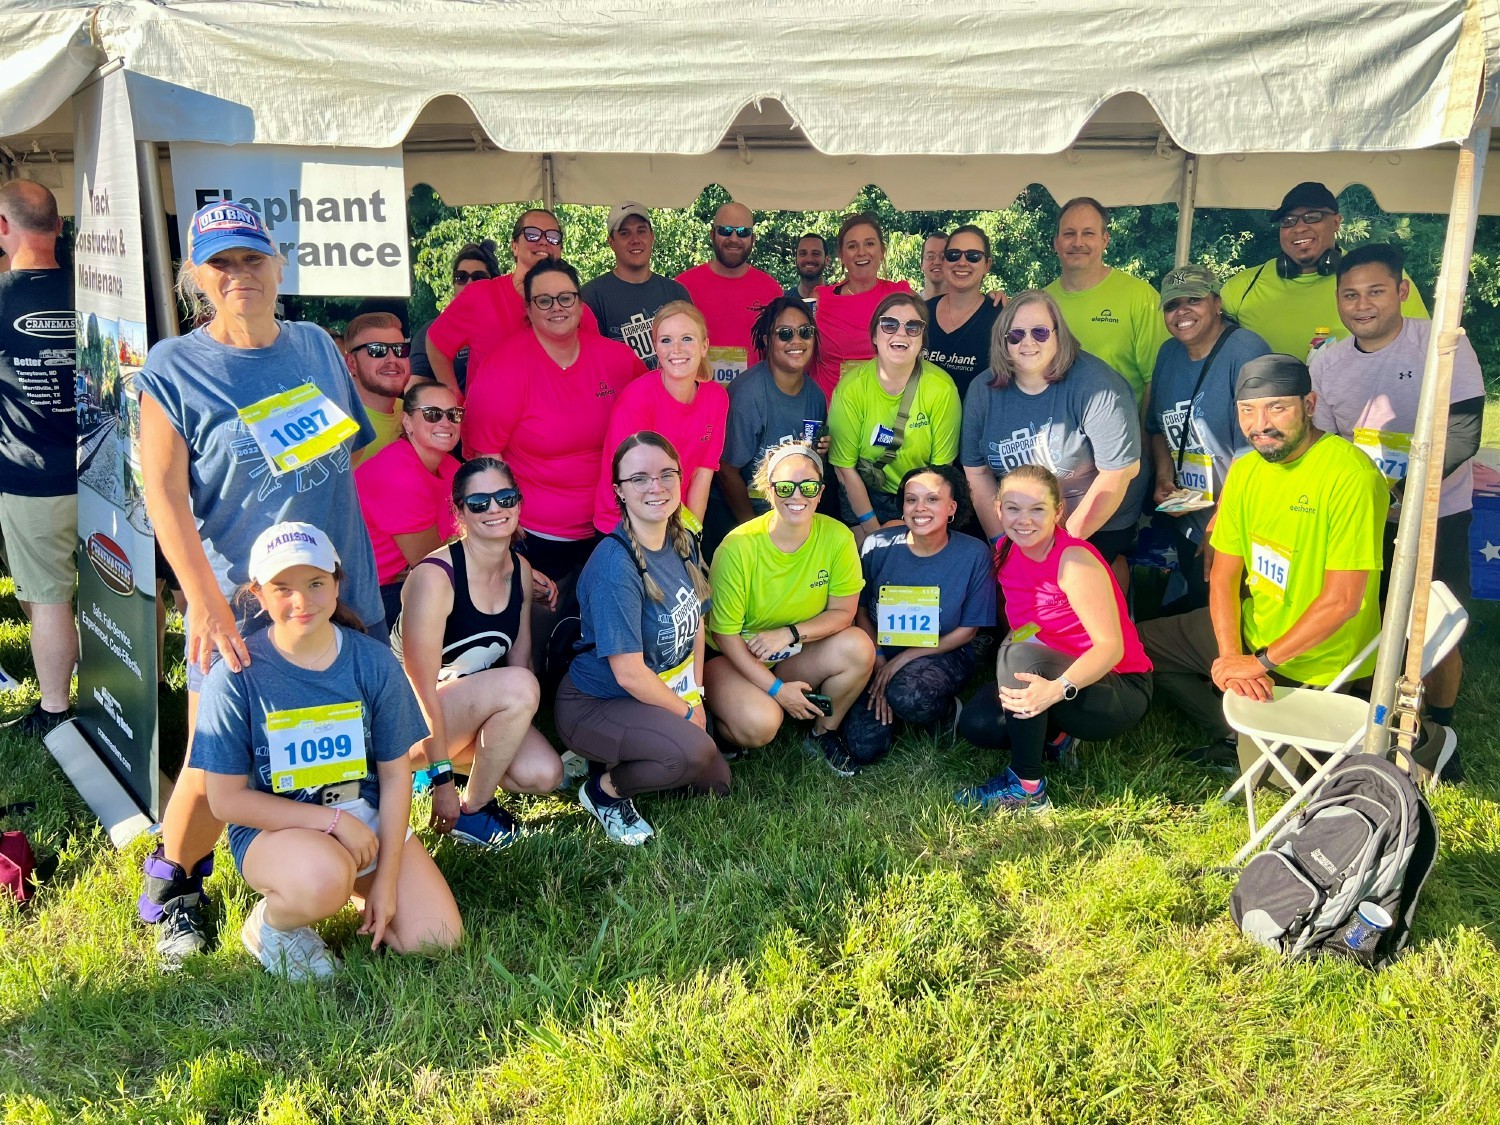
295,430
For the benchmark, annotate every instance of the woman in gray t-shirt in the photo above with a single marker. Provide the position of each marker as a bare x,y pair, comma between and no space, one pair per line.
1045,402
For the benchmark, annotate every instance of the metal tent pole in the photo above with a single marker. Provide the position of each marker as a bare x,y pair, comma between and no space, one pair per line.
1185,209
1411,572
158,246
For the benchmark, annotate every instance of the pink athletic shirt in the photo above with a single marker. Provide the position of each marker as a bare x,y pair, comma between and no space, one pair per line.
1033,597
844,328
695,429
483,316
730,305
398,496
549,424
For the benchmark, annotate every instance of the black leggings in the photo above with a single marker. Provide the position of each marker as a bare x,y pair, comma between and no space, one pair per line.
922,694
1101,711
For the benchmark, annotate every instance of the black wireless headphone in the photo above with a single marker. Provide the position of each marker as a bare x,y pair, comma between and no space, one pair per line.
1326,265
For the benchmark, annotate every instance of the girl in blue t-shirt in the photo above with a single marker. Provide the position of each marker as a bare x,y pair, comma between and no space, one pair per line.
632,700
304,755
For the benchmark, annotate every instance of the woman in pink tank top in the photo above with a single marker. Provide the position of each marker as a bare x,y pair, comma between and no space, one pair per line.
1072,666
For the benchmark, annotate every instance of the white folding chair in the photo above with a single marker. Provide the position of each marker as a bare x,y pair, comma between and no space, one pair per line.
1321,725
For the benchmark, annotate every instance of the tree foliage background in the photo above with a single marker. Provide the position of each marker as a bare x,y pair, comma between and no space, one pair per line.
1142,240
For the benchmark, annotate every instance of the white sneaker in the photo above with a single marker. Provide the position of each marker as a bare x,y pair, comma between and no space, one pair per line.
622,823
298,954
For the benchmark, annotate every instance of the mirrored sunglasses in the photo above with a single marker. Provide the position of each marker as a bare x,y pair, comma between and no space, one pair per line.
479,502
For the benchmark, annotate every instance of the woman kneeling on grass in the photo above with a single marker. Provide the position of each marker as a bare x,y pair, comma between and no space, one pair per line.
928,590
464,638
631,700
304,753
1072,661
786,586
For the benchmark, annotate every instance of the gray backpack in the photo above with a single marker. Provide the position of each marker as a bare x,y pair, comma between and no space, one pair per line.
1366,834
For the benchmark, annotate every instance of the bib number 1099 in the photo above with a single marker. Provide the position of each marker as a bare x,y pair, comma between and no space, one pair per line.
315,746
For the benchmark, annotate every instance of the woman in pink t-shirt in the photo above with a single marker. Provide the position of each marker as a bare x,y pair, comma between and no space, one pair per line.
403,490
543,404
1072,667
681,402
844,310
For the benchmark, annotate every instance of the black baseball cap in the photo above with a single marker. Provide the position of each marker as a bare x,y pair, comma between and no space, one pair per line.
1309,193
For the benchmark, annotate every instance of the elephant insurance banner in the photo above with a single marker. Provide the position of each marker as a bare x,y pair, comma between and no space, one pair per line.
338,215
117,550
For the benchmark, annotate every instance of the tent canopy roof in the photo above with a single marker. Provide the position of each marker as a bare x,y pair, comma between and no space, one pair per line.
788,104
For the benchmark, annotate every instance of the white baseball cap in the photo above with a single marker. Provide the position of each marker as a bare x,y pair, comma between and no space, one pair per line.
285,545
623,211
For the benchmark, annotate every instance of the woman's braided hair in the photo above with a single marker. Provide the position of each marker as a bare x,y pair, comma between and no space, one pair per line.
677,534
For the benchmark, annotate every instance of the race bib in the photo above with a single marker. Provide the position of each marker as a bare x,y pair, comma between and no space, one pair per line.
728,363
1270,568
776,657
690,521
907,616
1026,632
313,746
1389,450
1197,473
296,427
683,680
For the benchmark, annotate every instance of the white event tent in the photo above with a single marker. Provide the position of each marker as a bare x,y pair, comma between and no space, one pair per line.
944,104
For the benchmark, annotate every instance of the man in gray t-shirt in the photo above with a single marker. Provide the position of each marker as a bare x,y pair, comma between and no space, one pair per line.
625,300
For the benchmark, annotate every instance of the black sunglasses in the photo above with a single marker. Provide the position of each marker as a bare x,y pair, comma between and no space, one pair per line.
1311,218
479,502
536,234
785,488
1039,332
975,256
734,232
786,332
463,277
377,351
434,414
889,325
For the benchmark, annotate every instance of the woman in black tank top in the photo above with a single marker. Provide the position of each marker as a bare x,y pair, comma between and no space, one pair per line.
464,638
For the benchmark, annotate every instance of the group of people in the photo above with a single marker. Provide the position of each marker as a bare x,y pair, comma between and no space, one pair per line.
698,508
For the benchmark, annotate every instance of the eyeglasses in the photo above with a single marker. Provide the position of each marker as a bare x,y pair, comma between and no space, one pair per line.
433,414
545,301
785,488
377,351
537,234
734,232
1311,218
889,325
975,256
786,332
463,277
479,502
642,482
1039,332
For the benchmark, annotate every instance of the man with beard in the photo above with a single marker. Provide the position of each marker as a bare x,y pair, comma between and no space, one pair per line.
812,263
729,291
1291,301
1299,524
625,300
379,359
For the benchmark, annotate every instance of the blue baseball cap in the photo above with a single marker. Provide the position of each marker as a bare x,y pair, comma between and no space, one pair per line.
225,225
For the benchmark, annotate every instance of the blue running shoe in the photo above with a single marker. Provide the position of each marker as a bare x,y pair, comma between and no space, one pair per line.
1003,793
491,828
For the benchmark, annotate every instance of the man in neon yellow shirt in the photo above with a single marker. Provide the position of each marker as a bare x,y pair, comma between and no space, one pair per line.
380,379
1300,524
1115,316
1291,301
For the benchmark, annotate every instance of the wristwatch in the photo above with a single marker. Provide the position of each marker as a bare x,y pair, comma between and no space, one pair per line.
1265,661
1070,689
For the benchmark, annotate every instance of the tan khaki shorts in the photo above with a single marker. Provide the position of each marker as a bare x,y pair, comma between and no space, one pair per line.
41,535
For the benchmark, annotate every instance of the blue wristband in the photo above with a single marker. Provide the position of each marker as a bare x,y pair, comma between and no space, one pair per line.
867,516
773,689
689,715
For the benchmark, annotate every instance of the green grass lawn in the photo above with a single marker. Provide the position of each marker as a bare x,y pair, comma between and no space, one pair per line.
808,950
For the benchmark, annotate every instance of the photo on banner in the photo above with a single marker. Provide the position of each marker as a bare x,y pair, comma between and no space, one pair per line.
117,668
338,216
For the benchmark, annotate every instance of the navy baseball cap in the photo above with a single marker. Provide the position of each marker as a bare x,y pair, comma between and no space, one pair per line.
225,225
